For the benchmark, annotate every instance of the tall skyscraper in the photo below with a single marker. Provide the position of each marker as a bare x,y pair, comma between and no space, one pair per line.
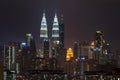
1,52
28,53
102,53
10,52
61,33
99,43
28,39
10,60
99,39
43,33
55,32
30,43
55,35
76,49
50,47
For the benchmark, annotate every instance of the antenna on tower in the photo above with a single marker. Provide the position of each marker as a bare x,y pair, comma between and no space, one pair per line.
43,12
61,18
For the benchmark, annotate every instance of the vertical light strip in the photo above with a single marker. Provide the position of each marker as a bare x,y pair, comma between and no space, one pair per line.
9,57
13,54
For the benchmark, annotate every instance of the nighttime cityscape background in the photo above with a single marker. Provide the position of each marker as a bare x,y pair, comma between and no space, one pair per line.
81,17
65,40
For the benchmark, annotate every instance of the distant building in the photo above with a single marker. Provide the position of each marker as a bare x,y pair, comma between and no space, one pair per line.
10,52
61,33
76,49
55,36
81,49
99,43
117,56
99,39
102,53
2,46
52,46
28,53
46,49
84,56
30,43
1,72
84,49
43,34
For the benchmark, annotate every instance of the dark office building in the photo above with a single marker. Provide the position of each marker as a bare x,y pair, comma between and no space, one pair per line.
46,49
29,53
30,43
99,39
1,52
61,33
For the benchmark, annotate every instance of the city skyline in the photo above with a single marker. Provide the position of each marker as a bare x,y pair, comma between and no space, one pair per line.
82,18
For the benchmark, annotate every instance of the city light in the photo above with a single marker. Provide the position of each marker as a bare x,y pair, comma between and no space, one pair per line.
23,44
50,60
92,44
69,54
82,58
28,34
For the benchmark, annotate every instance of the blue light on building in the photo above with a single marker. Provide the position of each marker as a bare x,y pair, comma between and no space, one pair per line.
23,44
82,58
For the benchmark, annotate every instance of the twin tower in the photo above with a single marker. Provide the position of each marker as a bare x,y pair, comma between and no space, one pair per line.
55,39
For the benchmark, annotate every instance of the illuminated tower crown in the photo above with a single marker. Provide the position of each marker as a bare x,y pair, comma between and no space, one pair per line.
43,30
55,31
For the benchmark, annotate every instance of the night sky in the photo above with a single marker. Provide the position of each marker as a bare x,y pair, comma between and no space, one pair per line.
81,18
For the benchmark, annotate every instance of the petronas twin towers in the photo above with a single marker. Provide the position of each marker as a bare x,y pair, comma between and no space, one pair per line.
44,29
44,33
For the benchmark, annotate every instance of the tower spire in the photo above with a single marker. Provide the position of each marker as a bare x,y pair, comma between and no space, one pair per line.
55,28
55,22
43,30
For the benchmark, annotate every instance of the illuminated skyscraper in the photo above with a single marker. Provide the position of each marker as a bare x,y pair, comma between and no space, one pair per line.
10,60
55,32
98,49
29,37
55,36
102,52
43,30
99,40
10,52
43,33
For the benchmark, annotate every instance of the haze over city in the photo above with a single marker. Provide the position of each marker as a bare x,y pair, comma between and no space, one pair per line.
81,18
